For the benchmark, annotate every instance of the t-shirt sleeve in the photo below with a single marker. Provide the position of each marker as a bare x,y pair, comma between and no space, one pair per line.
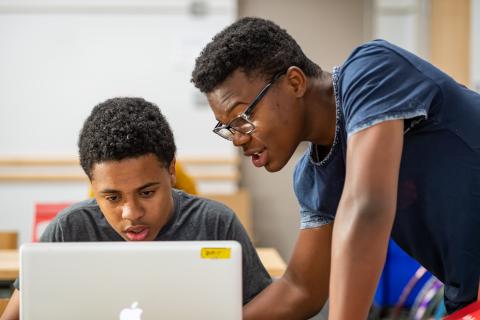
53,233
378,84
255,277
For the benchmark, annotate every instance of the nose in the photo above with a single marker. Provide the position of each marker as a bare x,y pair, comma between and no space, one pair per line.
131,210
240,139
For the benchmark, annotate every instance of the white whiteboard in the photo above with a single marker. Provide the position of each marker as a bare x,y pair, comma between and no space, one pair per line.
60,58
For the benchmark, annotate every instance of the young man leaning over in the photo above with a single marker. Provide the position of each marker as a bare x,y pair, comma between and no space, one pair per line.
394,150
127,151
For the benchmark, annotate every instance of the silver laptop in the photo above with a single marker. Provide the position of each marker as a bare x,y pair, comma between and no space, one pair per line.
131,281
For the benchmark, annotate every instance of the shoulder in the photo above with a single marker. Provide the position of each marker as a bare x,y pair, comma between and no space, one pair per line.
65,225
374,57
210,219
79,211
75,222
201,206
379,58
373,50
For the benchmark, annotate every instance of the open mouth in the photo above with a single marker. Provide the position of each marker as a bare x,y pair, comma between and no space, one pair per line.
259,159
138,233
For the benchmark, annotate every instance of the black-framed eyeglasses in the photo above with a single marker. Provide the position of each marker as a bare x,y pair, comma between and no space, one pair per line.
242,123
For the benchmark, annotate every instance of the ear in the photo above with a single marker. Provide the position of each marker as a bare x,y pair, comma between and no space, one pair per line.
172,172
297,81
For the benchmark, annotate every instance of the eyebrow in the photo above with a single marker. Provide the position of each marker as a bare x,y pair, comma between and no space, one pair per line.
147,185
230,106
224,100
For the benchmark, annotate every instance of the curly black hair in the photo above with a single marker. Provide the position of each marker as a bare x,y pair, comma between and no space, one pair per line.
121,128
252,45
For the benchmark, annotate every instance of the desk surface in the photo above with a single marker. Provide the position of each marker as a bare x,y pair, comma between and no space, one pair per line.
10,264
272,261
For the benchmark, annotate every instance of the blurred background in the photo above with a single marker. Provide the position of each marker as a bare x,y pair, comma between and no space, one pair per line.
60,58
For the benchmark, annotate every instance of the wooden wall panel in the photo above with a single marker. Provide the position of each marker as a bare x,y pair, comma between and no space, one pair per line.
450,38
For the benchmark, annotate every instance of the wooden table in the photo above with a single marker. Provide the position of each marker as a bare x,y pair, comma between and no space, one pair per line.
272,261
10,263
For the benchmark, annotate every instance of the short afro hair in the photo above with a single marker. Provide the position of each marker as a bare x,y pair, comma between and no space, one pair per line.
122,128
254,46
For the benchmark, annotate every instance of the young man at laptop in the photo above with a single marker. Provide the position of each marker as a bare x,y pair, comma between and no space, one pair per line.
127,150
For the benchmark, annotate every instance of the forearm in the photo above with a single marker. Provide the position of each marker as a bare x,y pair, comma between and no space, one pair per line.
360,241
303,289
283,300
12,311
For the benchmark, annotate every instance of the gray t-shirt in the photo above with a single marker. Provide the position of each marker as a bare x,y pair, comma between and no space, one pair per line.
194,218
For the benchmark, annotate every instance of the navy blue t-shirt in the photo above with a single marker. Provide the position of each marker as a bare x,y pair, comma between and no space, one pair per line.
438,208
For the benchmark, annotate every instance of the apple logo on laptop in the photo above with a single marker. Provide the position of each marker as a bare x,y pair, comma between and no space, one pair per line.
132,313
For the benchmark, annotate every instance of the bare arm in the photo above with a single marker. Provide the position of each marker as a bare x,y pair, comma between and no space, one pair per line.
12,312
364,218
303,290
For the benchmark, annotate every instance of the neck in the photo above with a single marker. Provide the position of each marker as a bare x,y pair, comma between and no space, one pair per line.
320,118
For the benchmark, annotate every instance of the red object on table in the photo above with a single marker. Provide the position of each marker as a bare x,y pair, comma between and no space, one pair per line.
470,312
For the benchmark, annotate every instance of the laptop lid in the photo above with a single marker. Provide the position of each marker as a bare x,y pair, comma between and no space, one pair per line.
131,281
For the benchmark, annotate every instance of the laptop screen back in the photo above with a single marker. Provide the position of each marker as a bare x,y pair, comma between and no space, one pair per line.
131,281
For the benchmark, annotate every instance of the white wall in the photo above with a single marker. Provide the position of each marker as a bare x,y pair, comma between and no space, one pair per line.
404,23
60,58
57,62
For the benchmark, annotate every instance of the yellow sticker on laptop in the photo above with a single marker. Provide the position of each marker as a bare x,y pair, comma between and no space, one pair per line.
215,253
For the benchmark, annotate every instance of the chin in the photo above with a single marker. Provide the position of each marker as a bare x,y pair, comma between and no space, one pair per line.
272,167
277,164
